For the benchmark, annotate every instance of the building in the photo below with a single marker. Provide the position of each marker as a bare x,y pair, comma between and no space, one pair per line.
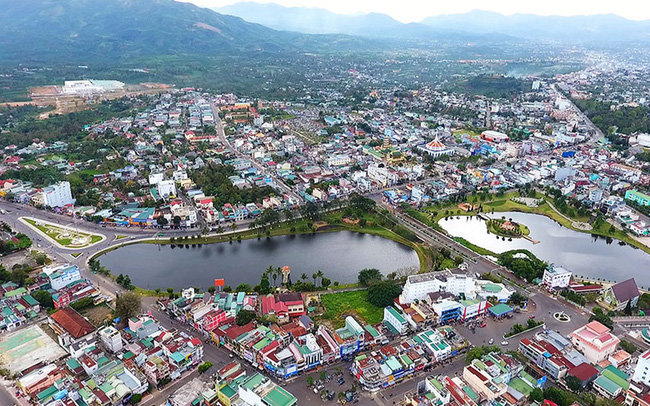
57,195
642,369
595,341
166,188
457,283
494,136
62,275
436,149
639,198
395,321
70,327
111,338
556,277
295,306
618,295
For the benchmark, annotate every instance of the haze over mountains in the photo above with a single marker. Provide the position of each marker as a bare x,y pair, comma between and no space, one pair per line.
113,31
605,27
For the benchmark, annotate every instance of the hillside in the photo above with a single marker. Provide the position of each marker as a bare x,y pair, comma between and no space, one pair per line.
117,30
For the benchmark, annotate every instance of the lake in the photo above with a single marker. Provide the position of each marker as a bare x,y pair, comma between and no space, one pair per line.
340,255
582,253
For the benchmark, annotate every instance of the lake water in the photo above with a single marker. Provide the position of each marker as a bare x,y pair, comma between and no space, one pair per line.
340,255
581,253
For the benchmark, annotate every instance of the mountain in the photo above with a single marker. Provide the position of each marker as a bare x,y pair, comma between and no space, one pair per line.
311,20
571,29
118,30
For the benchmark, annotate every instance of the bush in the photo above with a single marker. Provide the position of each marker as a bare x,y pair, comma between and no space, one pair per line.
82,303
205,366
137,398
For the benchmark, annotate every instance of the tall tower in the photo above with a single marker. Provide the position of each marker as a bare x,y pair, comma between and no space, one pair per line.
285,274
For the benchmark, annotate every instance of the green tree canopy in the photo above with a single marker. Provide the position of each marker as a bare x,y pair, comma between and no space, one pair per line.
127,305
383,293
369,276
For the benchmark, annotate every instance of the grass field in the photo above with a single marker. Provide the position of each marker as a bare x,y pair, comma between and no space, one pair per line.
64,236
342,304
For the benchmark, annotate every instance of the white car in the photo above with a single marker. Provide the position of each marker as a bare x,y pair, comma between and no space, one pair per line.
504,343
491,341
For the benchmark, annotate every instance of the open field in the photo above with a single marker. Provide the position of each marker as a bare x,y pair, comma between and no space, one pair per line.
342,304
96,314
65,237
25,347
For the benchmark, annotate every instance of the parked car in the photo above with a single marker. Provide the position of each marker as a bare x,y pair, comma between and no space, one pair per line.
504,343
491,341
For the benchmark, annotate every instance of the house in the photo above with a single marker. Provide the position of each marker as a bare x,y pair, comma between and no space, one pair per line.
556,277
293,301
618,296
70,327
395,321
584,372
595,341
642,369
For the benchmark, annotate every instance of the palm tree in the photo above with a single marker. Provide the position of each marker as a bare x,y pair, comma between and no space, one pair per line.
303,276
233,226
219,230
268,272
274,275
314,277
320,275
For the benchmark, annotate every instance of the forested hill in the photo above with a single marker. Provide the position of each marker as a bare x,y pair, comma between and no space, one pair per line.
115,30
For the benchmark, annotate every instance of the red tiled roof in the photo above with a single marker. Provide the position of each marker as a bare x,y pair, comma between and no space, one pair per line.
583,371
72,322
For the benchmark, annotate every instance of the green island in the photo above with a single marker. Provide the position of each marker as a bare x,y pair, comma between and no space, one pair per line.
64,236
550,206
506,228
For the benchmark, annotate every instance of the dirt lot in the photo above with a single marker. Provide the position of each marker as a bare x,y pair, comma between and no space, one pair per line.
97,314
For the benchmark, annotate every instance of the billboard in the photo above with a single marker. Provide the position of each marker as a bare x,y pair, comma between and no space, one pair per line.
219,282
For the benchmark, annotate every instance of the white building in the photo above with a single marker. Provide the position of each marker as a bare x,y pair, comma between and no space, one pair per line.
457,283
642,370
62,275
166,188
111,338
485,289
339,160
393,319
57,195
154,178
81,87
556,277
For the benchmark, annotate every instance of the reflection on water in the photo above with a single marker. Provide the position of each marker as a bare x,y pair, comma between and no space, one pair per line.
340,255
582,253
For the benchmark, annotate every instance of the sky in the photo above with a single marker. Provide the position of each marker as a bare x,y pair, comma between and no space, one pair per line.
416,10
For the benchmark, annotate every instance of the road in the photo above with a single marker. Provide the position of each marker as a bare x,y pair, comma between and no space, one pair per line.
221,134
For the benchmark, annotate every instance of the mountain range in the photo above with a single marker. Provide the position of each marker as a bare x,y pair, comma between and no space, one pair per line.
118,30
604,27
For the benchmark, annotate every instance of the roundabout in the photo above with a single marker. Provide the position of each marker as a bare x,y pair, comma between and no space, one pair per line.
562,317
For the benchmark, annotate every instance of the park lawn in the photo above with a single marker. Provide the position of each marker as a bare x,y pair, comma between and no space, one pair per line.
120,237
341,304
46,229
95,238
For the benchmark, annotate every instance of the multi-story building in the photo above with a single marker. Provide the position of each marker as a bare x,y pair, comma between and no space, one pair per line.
457,283
556,277
639,198
642,369
395,321
62,275
111,338
57,195
595,341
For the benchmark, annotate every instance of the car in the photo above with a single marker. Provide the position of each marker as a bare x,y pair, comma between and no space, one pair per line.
504,343
483,324
491,341
532,316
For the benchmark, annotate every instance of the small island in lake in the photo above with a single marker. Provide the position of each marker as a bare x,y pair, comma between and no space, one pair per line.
506,228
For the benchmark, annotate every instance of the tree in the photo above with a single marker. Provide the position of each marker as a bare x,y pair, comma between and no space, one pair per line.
478,352
628,308
320,275
177,221
382,293
537,395
310,381
243,287
244,317
369,276
625,345
128,305
205,366
211,289
157,290
325,282
573,383
162,221
233,226
314,276
304,276
602,318
44,298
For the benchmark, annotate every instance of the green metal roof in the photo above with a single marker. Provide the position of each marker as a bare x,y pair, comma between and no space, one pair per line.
228,391
607,384
500,309
395,314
